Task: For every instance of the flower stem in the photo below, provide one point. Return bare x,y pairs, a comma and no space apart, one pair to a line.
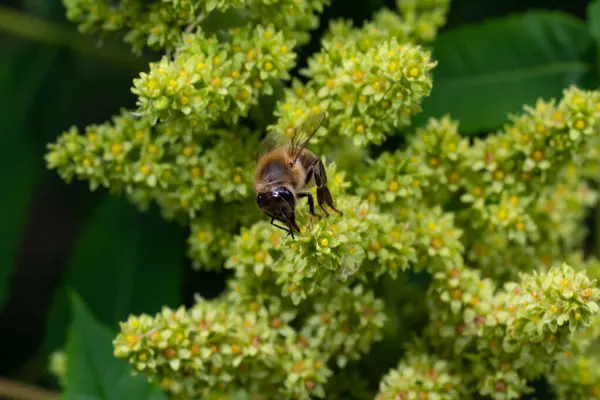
36,29
20,391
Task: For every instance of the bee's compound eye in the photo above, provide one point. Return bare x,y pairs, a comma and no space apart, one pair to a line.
260,200
286,195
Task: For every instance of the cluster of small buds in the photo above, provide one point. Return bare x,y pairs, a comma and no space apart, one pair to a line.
166,163
210,80
215,345
576,370
550,306
153,24
460,304
504,191
420,376
424,17
367,93
345,326
162,24
515,332
207,243
295,18
474,216
576,377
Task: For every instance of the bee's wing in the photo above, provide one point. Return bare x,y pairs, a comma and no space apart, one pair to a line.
269,143
304,132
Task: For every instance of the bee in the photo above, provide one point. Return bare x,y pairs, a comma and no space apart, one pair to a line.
284,175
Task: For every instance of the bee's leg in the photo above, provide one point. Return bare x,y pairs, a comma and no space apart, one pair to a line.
323,194
288,230
292,224
311,203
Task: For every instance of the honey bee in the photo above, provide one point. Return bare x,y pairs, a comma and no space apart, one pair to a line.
284,174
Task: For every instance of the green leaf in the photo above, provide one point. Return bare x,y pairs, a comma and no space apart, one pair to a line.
125,262
92,370
489,70
593,19
21,74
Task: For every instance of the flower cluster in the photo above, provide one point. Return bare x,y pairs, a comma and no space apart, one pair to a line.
210,80
510,335
516,201
485,223
369,85
181,169
217,345
421,377
162,24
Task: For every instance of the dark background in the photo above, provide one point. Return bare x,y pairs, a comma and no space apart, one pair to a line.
46,88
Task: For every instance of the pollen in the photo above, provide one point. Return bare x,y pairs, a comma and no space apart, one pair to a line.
202,236
437,243
393,186
146,169
260,257
170,352
324,242
216,82
499,175
414,72
132,340
453,177
184,100
538,155
357,76
172,83
196,171
268,35
298,366
116,149
188,151
557,116
86,163
580,124
268,66
283,49
237,179
434,162
360,128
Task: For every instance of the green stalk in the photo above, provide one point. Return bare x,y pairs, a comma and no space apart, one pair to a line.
36,29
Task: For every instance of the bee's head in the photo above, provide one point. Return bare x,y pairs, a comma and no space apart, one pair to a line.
277,201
